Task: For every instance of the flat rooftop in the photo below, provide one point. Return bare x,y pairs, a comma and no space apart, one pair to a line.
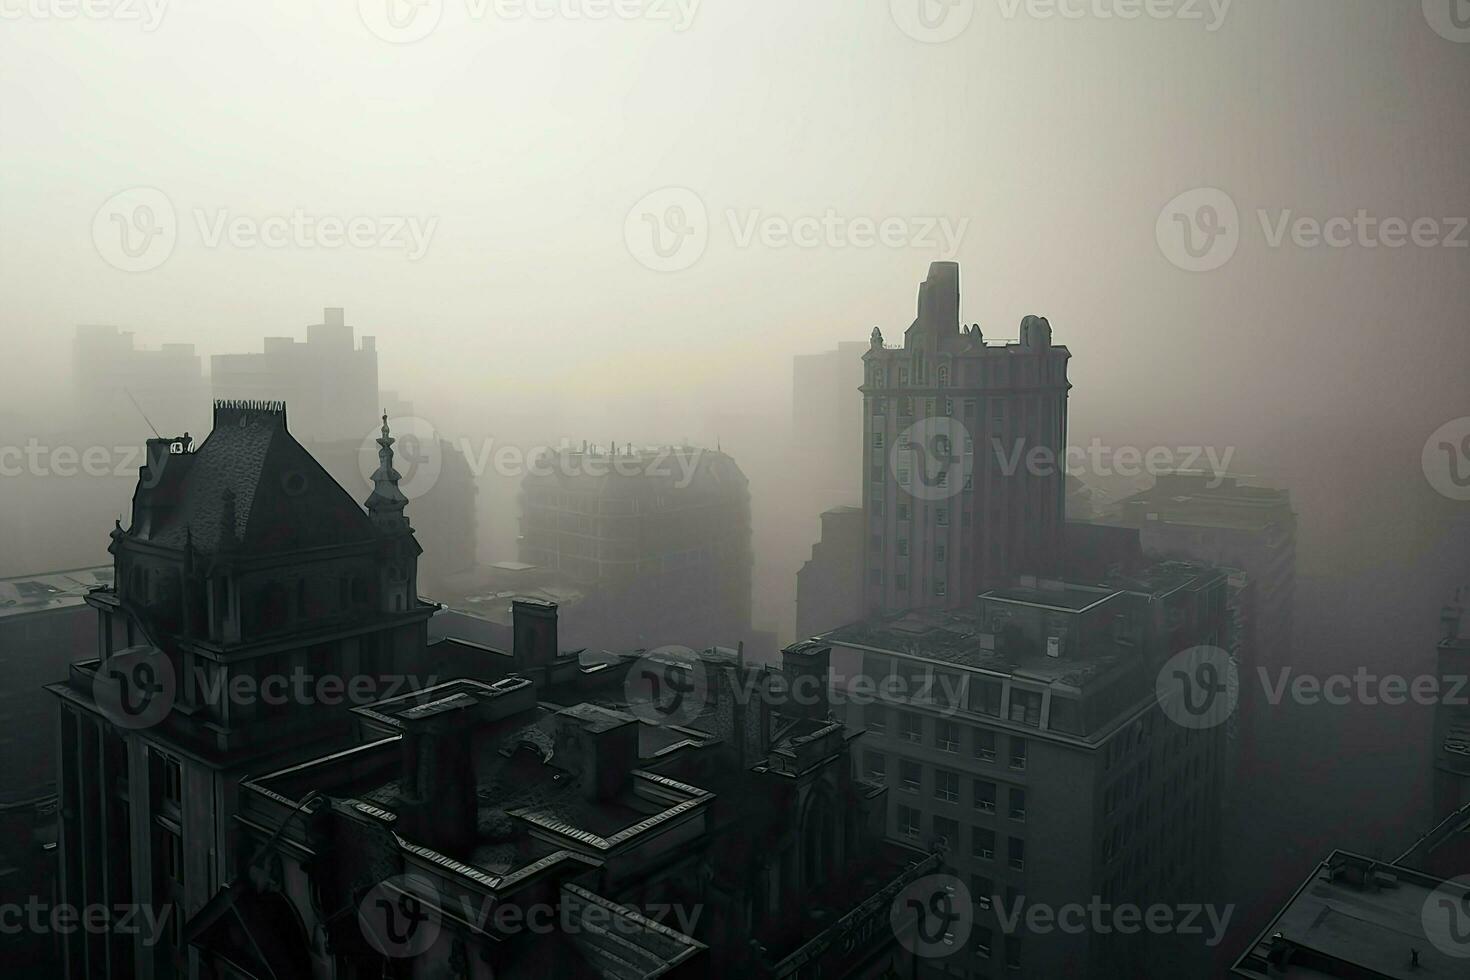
50,590
1354,917
958,637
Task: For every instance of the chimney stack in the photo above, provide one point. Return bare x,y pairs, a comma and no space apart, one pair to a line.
534,645
806,665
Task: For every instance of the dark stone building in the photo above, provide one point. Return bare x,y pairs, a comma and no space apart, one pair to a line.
243,563
458,809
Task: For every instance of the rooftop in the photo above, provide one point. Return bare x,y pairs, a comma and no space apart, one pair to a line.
1354,917
50,590
959,637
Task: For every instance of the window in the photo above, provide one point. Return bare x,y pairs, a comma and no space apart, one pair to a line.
947,786
984,846
943,375
903,375
875,474
941,516
949,406
903,510
941,479
969,406
1017,857
982,940
985,696
1013,953
982,889
875,718
876,503
901,581
969,485
1026,707
905,405
984,745
903,548
908,821
947,829
913,727
946,736
903,476
876,765
1018,753
984,796
939,552
1018,803
940,587
879,405
912,775
877,440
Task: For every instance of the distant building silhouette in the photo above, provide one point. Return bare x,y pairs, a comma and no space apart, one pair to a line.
1220,519
827,421
119,384
330,380
658,539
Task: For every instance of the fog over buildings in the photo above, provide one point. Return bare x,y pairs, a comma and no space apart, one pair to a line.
1072,395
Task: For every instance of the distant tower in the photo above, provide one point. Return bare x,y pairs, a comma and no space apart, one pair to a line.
398,584
963,456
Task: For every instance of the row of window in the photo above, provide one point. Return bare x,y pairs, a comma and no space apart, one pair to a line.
983,795
983,840
946,735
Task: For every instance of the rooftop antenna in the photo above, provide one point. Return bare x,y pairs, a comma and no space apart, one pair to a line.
141,412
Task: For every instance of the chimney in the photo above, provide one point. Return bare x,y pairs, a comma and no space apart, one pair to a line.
534,625
604,745
153,497
441,806
439,775
806,666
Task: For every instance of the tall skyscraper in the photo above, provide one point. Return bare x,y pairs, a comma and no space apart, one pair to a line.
963,456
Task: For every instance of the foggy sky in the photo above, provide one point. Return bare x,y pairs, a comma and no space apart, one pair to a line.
527,141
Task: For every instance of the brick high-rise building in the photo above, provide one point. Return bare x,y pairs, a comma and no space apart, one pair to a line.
963,456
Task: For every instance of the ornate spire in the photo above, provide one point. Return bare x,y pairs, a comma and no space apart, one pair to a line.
386,503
